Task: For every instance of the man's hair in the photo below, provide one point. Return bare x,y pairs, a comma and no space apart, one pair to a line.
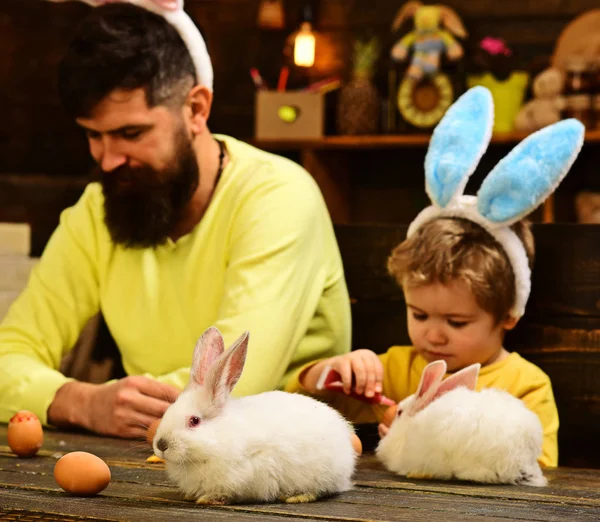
122,46
446,250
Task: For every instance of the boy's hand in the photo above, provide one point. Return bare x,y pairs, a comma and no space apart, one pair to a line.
383,430
362,365
361,368
388,417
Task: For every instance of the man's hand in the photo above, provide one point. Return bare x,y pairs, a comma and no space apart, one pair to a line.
361,371
124,408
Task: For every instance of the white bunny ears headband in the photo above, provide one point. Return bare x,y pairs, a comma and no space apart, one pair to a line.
517,185
172,11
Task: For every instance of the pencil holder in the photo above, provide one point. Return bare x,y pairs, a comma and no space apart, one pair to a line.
291,115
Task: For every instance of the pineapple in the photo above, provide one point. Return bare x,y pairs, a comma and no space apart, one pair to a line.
358,107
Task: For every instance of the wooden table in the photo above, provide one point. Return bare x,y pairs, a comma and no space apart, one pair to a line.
140,491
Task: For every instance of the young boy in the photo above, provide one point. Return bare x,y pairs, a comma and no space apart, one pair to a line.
465,268
459,288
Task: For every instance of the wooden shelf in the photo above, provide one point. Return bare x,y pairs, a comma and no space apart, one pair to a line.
332,170
384,141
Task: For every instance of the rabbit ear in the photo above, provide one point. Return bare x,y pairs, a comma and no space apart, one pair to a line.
430,380
432,376
162,5
457,144
169,5
466,377
93,3
452,21
154,5
522,180
406,11
225,373
208,349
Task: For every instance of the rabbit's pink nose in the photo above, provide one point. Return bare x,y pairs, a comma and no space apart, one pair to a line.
162,445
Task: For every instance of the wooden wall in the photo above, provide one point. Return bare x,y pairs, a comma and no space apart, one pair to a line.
37,138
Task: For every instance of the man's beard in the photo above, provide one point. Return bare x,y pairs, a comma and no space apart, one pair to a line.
142,205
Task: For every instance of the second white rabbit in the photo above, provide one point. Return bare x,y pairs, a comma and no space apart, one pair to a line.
446,430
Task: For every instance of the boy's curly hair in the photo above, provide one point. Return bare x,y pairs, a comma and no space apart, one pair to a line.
455,249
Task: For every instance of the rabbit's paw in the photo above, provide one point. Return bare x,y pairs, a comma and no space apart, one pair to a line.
208,500
297,499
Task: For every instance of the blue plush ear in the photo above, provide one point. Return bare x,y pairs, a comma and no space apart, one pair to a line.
530,172
457,144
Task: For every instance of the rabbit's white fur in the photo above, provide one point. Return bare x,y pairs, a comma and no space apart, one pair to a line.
487,436
266,447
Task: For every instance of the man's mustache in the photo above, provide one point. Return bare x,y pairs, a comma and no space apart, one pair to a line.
132,176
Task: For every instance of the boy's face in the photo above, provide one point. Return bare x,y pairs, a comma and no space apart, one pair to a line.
445,322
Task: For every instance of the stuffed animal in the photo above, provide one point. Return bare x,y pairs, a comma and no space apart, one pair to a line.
428,39
547,104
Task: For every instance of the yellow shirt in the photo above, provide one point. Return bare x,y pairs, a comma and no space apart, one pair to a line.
263,258
403,367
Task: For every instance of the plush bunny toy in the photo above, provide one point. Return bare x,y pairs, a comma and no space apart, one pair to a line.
267,447
173,12
446,430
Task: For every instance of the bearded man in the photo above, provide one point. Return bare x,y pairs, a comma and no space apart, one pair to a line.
185,230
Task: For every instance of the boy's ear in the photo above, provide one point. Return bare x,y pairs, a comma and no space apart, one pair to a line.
198,106
510,322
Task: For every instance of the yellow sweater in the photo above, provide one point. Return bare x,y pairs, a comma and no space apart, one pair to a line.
264,258
403,367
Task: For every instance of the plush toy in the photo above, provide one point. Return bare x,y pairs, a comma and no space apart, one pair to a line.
428,39
173,12
547,104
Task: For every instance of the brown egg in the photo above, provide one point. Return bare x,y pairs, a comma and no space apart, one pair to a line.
389,415
81,473
356,444
25,434
152,431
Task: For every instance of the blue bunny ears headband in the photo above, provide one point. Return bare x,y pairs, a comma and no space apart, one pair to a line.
172,11
517,185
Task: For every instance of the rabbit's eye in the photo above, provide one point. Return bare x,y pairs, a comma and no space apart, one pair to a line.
193,422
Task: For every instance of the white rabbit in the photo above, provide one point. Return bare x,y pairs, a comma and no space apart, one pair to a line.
267,447
447,430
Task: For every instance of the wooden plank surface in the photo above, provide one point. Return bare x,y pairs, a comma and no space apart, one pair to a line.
141,491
